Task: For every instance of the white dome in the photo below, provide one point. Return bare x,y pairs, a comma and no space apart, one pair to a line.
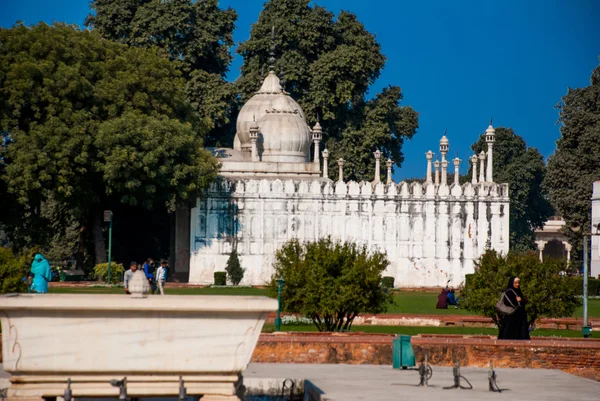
284,115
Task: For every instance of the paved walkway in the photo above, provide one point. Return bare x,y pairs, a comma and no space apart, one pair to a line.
382,383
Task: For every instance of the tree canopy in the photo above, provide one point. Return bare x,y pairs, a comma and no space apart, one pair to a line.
329,64
548,291
575,164
93,123
523,168
330,282
195,35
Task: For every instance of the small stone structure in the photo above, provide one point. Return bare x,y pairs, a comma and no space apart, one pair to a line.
91,339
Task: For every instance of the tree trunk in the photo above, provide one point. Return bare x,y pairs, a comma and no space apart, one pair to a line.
99,245
79,256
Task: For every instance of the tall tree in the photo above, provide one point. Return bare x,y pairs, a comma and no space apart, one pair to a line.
329,64
575,164
93,124
195,35
523,168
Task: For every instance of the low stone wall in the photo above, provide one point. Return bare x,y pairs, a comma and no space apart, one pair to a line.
359,348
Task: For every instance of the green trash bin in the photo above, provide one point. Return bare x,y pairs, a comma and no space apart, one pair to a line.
403,355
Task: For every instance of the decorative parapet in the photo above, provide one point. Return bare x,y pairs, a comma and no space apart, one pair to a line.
353,189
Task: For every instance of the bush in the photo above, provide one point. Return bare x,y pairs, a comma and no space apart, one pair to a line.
13,269
549,292
593,286
220,278
387,282
330,282
233,269
116,272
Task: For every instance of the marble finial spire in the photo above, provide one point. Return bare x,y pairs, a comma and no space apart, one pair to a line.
272,51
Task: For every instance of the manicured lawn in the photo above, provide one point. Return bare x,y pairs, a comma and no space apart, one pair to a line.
412,331
418,302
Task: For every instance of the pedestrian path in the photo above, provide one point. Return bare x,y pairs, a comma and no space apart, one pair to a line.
382,383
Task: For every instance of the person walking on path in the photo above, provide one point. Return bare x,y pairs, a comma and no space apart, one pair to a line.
149,271
128,276
42,274
161,276
514,326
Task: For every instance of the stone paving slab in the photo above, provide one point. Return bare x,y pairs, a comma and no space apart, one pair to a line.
382,383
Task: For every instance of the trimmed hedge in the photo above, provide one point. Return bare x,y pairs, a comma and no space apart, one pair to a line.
220,278
593,286
387,282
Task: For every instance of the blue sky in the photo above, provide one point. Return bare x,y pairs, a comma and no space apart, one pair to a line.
458,62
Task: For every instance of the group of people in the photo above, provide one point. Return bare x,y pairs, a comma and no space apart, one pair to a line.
154,280
447,297
41,274
513,326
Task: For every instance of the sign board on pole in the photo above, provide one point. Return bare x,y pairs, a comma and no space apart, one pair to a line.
107,216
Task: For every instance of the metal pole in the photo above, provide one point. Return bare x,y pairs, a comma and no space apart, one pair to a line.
109,244
585,285
278,320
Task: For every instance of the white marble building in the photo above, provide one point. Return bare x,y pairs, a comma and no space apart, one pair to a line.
270,191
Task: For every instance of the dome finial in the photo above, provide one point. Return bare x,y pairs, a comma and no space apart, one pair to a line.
282,75
272,50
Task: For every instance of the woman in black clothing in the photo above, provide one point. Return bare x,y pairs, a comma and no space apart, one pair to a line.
514,326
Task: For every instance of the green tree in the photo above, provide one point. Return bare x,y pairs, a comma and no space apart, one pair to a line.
13,268
549,292
329,64
93,124
523,168
575,165
330,282
234,270
195,35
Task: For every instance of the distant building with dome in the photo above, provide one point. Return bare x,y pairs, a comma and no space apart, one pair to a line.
270,191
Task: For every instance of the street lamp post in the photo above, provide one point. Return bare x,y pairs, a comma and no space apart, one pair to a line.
280,283
108,218
586,329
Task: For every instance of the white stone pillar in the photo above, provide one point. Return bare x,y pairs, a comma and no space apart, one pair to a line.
490,135
481,167
445,172
317,134
541,245
436,164
254,129
456,162
444,146
377,155
568,249
429,156
325,157
474,169
341,170
388,164
595,259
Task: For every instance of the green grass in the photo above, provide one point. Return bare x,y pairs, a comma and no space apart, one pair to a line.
417,302
412,331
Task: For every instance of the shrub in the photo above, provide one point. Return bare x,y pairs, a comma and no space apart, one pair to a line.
220,278
330,282
13,269
549,292
593,286
387,282
234,269
116,272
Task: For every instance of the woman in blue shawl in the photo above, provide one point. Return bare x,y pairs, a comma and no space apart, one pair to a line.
40,269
